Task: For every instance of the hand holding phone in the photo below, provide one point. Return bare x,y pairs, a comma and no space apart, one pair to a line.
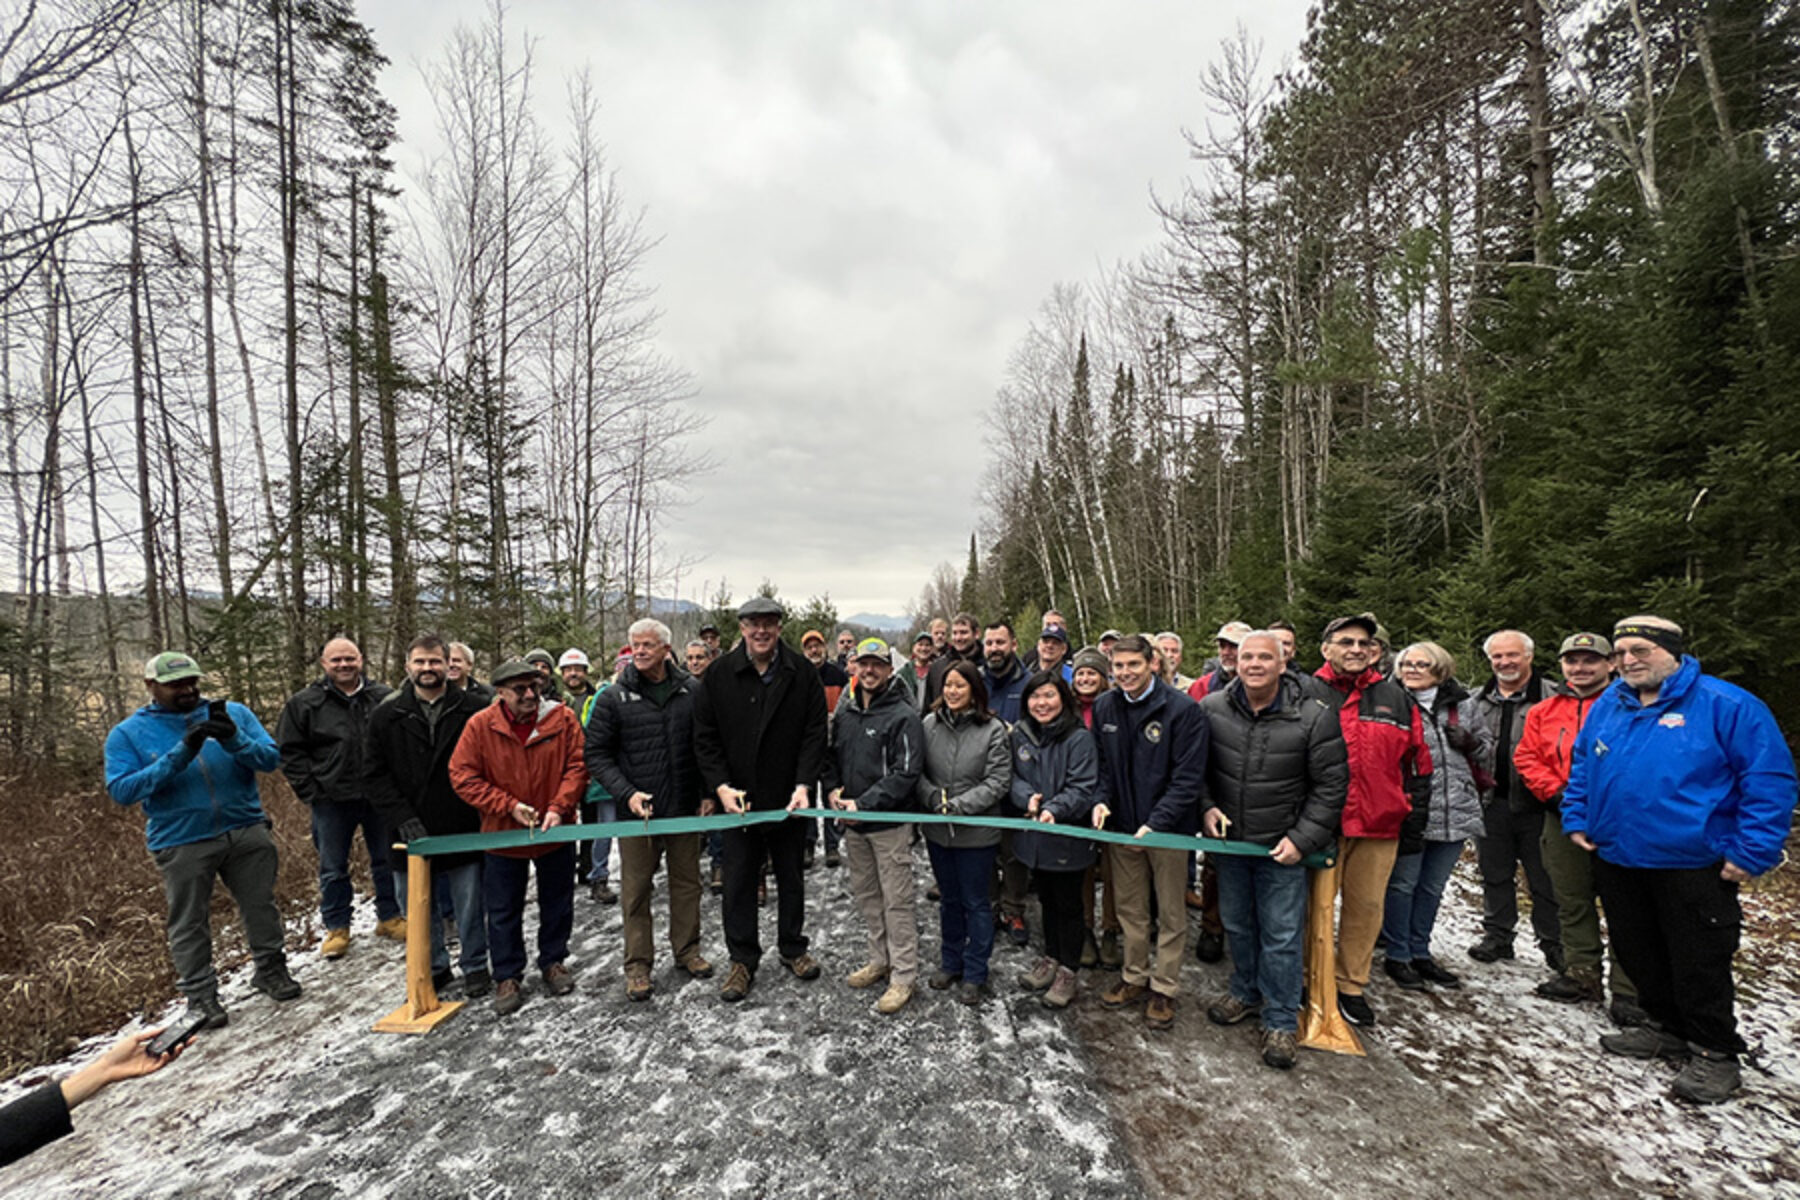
175,1034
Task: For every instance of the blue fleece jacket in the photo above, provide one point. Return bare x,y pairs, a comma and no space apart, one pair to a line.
1701,775
187,797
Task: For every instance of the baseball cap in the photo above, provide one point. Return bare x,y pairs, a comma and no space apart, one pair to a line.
572,658
1113,634
1056,632
873,648
812,635
1585,643
171,665
1366,621
1233,632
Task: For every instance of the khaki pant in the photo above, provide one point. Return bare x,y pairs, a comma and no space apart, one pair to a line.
881,881
638,857
1572,875
1363,868
1135,875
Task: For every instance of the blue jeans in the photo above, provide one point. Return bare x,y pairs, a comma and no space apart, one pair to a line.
333,827
503,884
463,885
594,855
966,917
1263,906
1414,891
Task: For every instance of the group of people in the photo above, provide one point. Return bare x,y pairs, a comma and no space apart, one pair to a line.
1637,785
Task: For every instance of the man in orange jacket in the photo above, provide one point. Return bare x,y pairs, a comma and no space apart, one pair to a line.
1542,758
520,763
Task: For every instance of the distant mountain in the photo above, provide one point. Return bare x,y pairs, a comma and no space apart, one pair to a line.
879,621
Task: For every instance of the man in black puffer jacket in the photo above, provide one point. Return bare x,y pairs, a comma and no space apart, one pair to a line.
406,775
640,746
1277,777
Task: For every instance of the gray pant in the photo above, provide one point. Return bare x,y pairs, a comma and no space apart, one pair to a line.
1511,841
881,880
245,860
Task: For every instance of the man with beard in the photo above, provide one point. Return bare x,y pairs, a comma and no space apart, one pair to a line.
193,767
759,737
834,679
1512,820
964,644
1005,677
322,733
407,776
519,763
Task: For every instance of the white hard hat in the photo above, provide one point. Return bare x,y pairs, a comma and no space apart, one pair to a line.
572,658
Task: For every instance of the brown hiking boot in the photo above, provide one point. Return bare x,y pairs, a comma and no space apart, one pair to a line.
637,981
558,980
336,944
737,983
1160,1012
894,999
393,929
804,966
508,998
1121,994
696,966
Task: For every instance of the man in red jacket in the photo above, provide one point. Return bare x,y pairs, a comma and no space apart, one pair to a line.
1542,758
1389,786
520,764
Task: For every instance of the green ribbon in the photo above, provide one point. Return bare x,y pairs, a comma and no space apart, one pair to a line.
463,843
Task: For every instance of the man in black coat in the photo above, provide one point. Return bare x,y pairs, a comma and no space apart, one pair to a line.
1276,776
759,737
321,735
406,774
640,747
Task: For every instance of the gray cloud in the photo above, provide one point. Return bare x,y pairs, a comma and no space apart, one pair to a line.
861,206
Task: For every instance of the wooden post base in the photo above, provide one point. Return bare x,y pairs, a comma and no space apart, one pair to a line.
423,1011
1322,1027
405,1020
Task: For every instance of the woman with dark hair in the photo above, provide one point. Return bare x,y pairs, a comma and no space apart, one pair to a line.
1056,776
1091,677
966,773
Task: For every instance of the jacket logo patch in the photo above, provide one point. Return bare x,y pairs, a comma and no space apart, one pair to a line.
1600,747
1382,710
1108,727
1671,720
1024,754
1153,732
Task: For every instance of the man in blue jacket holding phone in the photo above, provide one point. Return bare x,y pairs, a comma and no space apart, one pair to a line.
1682,788
193,765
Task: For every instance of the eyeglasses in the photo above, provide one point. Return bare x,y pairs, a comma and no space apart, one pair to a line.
1414,665
521,690
1636,651
1353,643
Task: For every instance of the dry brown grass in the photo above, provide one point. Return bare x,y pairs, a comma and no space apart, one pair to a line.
82,940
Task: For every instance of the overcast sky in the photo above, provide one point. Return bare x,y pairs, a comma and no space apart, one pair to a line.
861,207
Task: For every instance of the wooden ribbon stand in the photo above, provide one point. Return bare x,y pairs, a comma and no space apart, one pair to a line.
1322,1026
423,1011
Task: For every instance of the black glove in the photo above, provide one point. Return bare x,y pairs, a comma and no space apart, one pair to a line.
195,737
1461,739
218,724
412,829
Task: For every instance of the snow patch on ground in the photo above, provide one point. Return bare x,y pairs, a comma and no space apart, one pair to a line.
803,1090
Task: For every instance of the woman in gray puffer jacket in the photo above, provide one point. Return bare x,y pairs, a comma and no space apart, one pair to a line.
1429,850
968,765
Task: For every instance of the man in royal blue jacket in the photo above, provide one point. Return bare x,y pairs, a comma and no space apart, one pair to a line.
1153,743
1682,788
193,767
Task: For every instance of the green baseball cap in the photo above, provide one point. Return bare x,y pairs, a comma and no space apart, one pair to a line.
171,665
872,648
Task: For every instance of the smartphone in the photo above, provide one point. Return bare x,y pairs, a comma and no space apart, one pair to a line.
175,1034
216,710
